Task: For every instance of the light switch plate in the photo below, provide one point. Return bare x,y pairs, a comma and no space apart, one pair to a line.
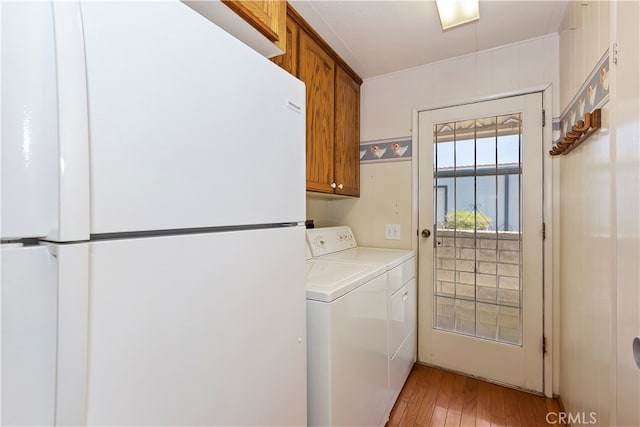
392,231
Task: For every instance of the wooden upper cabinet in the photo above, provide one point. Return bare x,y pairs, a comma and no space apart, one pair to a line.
333,109
317,69
269,17
347,134
289,60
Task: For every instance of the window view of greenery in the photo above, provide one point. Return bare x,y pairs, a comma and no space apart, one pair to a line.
477,169
467,220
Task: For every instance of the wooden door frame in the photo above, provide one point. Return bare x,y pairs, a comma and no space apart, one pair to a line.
550,197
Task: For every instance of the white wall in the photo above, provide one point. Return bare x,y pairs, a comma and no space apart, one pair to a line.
318,209
387,100
599,208
586,237
627,175
586,230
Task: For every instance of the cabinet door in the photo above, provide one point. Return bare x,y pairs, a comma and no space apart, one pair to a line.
289,59
347,134
317,70
266,16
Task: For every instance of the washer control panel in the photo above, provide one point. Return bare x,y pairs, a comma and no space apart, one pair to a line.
327,240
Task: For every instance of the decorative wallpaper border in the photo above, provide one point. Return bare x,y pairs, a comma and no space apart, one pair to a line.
555,129
386,150
593,94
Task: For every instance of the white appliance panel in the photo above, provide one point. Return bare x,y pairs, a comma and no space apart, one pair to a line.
400,366
72,340
348,358
327,280
73,127
402,315
327,240
189,127
29,121
29,324
401,274
44,333
339,244
175,319
390,257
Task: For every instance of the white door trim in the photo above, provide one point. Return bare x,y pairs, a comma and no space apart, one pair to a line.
551,193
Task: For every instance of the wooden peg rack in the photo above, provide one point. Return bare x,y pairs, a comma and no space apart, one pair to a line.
578,133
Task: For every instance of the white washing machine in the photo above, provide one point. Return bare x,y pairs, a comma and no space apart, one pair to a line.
347,380
401,295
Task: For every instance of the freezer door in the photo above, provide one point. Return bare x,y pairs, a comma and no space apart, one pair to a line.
29,121
201,329
189,127
45,144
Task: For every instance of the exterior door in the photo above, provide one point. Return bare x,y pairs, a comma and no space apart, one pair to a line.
480,254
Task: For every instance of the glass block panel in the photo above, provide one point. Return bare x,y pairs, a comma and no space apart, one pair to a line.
445,310
486,320
465,315
509,325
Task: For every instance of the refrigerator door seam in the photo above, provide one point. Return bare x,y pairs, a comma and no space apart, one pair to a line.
183,231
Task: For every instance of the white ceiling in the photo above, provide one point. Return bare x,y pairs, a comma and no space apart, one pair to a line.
380,37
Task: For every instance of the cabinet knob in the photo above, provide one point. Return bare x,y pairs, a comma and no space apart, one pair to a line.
340,186
333,185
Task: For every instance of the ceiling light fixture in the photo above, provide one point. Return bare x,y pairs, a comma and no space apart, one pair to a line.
457,12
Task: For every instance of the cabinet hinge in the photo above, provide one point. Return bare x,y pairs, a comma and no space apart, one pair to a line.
614,56
544,118
544,231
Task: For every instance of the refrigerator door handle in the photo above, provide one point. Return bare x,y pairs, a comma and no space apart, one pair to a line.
73,133
73,333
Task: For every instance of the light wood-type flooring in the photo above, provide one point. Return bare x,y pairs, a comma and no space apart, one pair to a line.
433,397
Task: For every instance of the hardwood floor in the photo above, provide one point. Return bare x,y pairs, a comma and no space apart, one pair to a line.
433,397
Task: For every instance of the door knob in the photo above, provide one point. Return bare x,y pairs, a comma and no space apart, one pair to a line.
426,233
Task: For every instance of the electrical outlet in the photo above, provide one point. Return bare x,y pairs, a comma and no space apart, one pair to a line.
392,231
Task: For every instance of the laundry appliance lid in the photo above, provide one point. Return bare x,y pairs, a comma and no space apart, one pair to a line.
362,254
328,280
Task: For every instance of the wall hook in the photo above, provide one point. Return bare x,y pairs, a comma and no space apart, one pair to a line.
579,132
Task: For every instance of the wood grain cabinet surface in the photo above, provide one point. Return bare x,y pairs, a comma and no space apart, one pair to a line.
333,109
289,60
269,17
347,134
317,70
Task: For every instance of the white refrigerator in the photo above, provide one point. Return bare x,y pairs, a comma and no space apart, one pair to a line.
153,196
